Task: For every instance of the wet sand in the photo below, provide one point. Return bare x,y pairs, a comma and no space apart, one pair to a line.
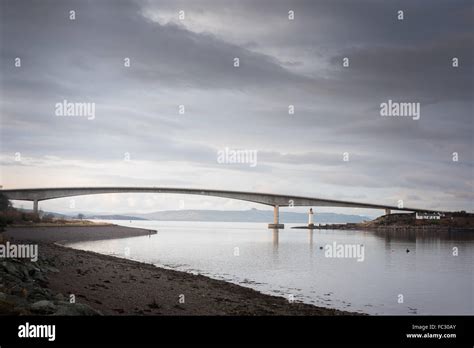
117,286
71,234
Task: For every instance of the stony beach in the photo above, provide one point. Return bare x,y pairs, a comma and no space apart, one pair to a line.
106,285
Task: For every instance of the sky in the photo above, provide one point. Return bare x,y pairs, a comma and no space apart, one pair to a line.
168,99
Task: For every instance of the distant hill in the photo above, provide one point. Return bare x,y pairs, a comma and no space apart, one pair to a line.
113,217
252,215
104,216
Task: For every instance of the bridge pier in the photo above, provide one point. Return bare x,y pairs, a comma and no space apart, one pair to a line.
388,211
35,206
276,219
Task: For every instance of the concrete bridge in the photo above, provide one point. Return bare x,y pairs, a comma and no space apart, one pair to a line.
41,194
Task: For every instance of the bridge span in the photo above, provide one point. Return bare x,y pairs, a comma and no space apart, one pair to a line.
276,200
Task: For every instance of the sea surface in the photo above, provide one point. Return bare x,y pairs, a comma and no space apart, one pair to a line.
376,273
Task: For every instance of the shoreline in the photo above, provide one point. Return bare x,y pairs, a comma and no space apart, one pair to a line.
457,222
74,233
116,286
401,228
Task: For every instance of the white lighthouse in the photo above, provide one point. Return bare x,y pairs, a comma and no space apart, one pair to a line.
310,218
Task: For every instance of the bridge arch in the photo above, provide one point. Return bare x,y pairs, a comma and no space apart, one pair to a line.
275,200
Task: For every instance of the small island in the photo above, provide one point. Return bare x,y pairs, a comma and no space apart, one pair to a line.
439,222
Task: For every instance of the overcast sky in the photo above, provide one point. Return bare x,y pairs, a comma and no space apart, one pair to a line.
283,62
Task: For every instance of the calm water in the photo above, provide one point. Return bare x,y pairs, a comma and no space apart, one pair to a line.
290,262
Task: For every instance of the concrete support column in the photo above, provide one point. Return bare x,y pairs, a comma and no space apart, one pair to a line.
276,219
35,206
388,211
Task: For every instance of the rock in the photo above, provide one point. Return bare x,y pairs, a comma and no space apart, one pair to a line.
33,272
12,269
23,291
32,267
38,276
38,294
59,297
44,307
24,271
51,269
76,309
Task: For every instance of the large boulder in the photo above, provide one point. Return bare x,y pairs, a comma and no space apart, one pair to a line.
43,307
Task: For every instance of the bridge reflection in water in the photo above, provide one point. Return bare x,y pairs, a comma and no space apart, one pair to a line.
276,237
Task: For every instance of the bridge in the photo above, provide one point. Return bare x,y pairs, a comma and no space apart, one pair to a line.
41,194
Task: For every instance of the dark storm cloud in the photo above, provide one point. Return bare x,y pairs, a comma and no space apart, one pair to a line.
84,60
104,33
423,72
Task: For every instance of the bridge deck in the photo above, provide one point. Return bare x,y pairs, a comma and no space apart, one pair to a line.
41,194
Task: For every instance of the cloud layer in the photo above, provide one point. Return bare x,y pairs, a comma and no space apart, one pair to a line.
335,145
